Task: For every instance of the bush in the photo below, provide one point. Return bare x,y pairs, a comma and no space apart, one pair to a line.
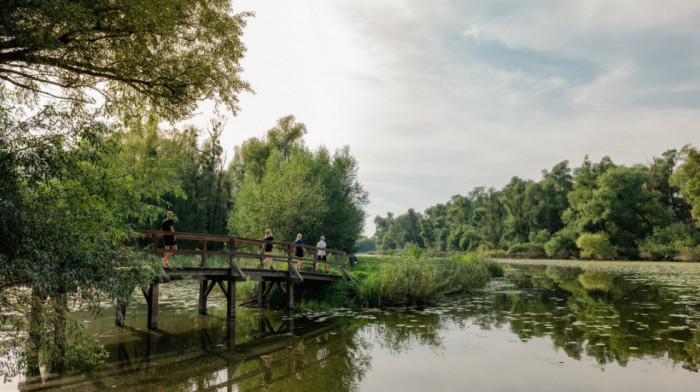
689,254
411,249
561,245
526,250
595,245
668,242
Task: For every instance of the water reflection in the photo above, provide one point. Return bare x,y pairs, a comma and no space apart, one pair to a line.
597,315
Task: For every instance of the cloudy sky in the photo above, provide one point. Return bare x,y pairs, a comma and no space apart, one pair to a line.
435,98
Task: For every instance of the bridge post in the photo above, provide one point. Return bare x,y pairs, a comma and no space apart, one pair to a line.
290,295
231,299
153,306
261,290
203,285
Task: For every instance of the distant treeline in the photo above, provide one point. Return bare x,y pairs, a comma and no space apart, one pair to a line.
597,210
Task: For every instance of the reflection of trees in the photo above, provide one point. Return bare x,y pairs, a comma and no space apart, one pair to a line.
221,355
604,316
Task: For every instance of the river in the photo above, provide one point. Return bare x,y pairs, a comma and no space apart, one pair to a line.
544,326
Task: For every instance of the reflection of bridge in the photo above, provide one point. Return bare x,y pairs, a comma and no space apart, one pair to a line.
215,361
286,276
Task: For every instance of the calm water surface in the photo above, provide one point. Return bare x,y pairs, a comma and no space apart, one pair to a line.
545,326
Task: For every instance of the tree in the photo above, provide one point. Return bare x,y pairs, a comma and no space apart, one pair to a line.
72,189
66,209
287,135
284,201
687,179
318,192
162,54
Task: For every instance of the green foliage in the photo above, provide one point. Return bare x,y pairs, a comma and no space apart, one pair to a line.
200,173
162,54
687,179
283,201
595,245
413,282
668,242
495,268
297,191
528,250
412,250
562,244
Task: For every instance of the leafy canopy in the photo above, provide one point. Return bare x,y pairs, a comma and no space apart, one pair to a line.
162,54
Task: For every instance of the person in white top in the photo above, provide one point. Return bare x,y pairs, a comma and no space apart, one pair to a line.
321,256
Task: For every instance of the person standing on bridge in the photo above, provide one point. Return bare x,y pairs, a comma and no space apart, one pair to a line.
321,256
169,240
299,251
267,248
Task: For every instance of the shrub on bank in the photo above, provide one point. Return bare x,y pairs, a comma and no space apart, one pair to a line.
527,250
667,243
595,245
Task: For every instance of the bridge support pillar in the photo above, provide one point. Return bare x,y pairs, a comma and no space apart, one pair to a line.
231,299
152,299
261,293
203,285
290,295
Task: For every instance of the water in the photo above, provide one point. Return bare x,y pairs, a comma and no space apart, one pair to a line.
545,326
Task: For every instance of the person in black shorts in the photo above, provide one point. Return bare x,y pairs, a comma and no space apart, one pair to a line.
169,240
299,251
267,249
321,256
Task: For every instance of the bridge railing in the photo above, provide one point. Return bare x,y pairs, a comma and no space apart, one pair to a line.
246,248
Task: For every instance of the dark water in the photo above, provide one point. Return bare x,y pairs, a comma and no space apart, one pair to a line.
553,326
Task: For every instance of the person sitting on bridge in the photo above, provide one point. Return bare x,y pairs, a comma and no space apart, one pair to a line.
321,256
267,248
299,251
169,240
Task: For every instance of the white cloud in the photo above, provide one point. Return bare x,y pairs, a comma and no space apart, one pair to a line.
435,98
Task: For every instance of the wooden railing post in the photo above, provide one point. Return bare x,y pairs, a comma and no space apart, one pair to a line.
289,257
204,253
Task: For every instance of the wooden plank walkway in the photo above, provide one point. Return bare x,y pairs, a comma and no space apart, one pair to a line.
236,249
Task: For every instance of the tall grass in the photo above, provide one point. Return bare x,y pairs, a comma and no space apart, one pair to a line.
420,281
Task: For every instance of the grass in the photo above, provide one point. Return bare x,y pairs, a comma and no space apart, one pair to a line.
405,281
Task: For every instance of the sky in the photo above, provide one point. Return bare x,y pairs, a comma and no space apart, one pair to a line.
435,98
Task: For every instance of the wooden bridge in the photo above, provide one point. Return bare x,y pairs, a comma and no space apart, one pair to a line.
235,252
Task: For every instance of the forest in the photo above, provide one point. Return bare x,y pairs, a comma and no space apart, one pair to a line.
596,210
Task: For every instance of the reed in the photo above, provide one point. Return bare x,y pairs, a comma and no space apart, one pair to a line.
401,281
